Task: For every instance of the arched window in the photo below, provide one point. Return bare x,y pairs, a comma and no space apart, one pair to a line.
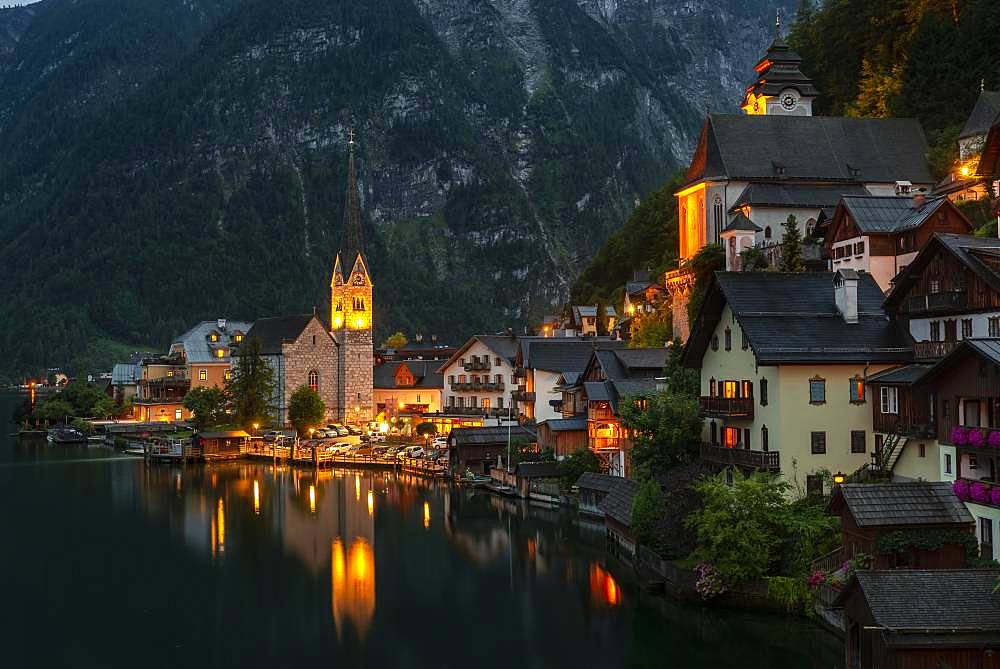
717,216
763,438
729,338
314,380
767,232
810,227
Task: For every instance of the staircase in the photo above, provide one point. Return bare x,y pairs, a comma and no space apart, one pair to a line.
892,449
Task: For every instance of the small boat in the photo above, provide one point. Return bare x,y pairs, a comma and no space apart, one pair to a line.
135,448
66,435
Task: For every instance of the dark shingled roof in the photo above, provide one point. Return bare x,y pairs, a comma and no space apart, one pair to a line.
967,249
984,114
986,348
903,375
617,505
741,222
469,436
271,332
563,355
796,195
595,481
565,424
819,148
538,470
425,372
637,360
891,504
882,215
942,600
793,317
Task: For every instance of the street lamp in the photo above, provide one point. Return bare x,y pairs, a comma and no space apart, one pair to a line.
839,478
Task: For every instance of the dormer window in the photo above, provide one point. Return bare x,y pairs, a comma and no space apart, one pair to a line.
853,171
213,336
220,353
238,337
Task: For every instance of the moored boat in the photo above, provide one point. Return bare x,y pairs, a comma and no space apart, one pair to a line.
66,435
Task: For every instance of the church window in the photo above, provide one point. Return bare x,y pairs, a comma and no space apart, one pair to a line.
717,215
314,340
729,338
314,380
340,306
767,232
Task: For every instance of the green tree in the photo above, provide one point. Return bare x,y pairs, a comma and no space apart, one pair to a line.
665,428
791,247
753,260
104,408
251,387
426,429
83,397
208,405
709,259
397,340
54,409
739,528
575,464
654,329
647,511
305,409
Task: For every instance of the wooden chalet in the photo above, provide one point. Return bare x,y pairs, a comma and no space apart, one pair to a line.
222,445
476,449
564,436
870,512
922,619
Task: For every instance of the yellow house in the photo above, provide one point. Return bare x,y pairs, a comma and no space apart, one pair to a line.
783,360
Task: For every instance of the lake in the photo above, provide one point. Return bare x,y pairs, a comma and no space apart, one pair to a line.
108,562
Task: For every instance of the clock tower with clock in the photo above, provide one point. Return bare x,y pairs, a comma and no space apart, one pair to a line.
351,310
780,88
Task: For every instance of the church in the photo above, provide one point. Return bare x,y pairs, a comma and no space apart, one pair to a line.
334,356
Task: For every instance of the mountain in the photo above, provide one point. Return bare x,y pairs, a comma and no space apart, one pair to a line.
165,161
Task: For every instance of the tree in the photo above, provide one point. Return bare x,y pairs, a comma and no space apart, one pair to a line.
251,387
753,260
709,259
426,429
739,528
654,329
646,512
398,340
105,408
83,397
54,409
208,405
791,247
665,428
305,409
575,464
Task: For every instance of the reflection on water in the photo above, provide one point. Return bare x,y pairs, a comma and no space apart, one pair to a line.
604,590
353,585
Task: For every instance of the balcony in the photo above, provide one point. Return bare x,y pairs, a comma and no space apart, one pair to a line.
460,385
768,461
487,386
726,407
477,366
520,395
944,301
604,443
984,492
933,350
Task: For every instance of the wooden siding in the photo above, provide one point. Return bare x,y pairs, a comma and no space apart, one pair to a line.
947,276
972,378
865,540
914,415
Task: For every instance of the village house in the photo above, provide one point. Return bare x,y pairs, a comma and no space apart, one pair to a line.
882,235
163,383
964,182
477,449
479,379
408,389
778,160
899,619
585,320
783,360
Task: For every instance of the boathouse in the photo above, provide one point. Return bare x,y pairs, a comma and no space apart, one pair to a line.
222,445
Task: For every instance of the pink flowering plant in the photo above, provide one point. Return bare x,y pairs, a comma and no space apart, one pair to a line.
710,583
959,435
994,439
961,489
975,438
995,495
980,493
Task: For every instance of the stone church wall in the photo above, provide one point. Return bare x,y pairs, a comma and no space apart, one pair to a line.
315,350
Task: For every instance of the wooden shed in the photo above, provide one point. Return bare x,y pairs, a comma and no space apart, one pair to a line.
870,512
922,619
222,445
564,436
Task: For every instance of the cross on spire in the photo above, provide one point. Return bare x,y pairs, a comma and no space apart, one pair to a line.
350,139
353,243
777,23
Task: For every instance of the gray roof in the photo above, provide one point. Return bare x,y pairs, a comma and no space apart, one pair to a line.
988,348
565,424
884,215
595,481
892,504
943,600
973,252
425,372
476,436
124,373
612,391
741,222
902,375
984,114
503,345
793,317
796,195
197,347
537,470
633,287
816,148
617,505
272,332
559,354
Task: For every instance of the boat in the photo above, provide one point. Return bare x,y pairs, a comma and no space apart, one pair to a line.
135,448
66,435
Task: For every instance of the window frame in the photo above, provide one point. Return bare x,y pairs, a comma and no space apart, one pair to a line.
859,437
889,400
817,382
817,442
312,380
856,393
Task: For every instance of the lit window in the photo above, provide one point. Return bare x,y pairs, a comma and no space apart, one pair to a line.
857,390
731,437
486,402
203,375
229,375
747,389
238,338
314,380
730,389
220,353
889,400
170,373
817,391
214,336
177,414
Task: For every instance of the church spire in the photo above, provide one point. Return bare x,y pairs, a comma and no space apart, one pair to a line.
354,241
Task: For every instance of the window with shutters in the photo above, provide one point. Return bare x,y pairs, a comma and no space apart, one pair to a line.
818,443
817,390
966,328
994,326
763,392
857,392
858,444
748,389
935,331
889,400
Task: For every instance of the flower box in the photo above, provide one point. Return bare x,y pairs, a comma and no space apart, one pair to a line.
961,488
975,438
959,436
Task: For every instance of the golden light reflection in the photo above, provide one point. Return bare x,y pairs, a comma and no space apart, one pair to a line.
371,502
604,590
312,498
427,515
357,488
177,482
256,498
220,526
352,581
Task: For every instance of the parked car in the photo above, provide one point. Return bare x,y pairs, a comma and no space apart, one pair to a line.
376,437
322,434
411,452
272,436
339,429
440,442
354,431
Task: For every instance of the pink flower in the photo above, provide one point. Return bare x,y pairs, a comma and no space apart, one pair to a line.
994,439
995,496
980,493
961,488
959,435
976,438
817,579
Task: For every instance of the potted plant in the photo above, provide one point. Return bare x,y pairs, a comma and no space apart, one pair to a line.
980,493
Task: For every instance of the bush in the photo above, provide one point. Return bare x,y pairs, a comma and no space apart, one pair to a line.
646,512
572,466
426,429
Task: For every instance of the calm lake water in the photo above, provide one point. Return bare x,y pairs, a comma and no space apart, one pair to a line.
110,563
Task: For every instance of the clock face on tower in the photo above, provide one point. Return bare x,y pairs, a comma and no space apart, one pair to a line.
789,100
358,279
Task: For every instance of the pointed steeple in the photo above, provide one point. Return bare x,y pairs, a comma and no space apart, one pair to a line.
780,86
354,242
338,273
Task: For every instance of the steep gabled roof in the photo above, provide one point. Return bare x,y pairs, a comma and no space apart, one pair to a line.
595,481
949,601
272,332
984,114
617,505
741,222
894,504
565,424
887,215
793,318
198,348
796,195
811,148
558,354
967,249
503,346
987,349
425,373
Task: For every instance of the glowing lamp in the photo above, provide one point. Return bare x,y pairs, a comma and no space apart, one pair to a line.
964,170
359,322
338,321
839,478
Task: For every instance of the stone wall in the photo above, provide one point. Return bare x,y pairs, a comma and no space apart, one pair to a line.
316,350
357,362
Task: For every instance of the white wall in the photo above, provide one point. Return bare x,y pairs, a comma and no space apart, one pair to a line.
456,369
920,328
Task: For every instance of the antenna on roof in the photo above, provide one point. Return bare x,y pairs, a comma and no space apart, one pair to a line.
777,23
982,84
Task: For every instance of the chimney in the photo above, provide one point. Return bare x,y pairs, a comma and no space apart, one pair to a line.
221,323
434,338
845,293
418,337
918,199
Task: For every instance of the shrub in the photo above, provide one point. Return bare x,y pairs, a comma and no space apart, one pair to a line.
646,511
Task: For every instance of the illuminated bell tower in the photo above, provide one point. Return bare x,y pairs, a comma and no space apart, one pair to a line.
351,310
781,89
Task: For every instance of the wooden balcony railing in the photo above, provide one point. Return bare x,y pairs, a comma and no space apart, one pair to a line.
933,350
601,443
523,396
726,407
741,457
477,365
944,301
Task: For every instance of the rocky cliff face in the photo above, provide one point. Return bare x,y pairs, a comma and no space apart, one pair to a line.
178,159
